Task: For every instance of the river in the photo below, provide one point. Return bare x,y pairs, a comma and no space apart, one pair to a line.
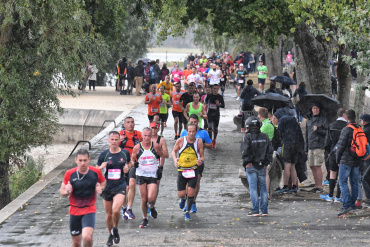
167,57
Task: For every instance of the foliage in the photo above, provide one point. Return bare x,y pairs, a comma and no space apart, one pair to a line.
23,177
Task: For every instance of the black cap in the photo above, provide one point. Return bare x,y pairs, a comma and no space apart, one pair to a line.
366,118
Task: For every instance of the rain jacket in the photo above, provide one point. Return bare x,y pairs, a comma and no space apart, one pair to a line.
366,130
316,139
333,133
343,155
248,93
256,148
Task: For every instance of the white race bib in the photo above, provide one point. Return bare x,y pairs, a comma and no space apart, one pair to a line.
154,109
162,105
212,106
222,79
188,173
177,102
241,81
114,174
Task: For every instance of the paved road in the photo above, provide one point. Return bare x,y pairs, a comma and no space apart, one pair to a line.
222,208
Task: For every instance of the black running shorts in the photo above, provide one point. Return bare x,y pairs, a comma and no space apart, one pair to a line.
191,182
145,180
163,117
290,153
180,115
108,195
77,223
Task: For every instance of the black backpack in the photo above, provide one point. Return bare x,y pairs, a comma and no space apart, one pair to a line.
276,140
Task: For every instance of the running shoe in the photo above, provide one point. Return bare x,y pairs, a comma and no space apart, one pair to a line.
187,216
110,240
317,190
129,214
237,98
326,182
214,143
182,203
194,208
358,204
336,199
293,190
148,210
153,213
176,137
115,235
165,124
145,223
186,206
283,191
123,211
326,198
253,214
344,211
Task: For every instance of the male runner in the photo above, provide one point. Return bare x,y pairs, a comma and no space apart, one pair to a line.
187,98
241,74
168,86
214,75
81,184
163,108
188,71
146,156
214,101
153,100
113,162
207,142
191,155
177,114
194,77
129,137
196,108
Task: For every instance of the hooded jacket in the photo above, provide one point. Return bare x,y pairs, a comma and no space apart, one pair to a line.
343,154
316,139
248,93
256,148
333,133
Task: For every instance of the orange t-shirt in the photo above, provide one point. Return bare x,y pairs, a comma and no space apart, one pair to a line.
153,106
131,139
176,100
187,73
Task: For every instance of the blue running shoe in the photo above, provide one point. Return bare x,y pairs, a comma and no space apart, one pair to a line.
148,210
326,198
186,206
293,190
129,214
187,216
123,211
194,208
283,190
326,182
339,200
182,203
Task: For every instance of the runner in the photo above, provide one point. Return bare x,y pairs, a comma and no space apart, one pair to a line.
194,77
81,185
224,75
129,138
186,98
188,71
196,108
113,163
177,75
241,74
262,75
146,155
214,101
214,75
177,114
168,86
191,156
153,100
163,110
207,143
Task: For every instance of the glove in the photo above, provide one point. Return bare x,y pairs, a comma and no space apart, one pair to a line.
159,172
136,164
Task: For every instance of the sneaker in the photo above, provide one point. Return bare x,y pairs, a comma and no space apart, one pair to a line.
214,143
182,203
187,216
326,198
265,214
344,212
123,214
145,223
293,190
115,235
358,204
237,98
253,214
110,240
176,137
148,210
317,190
326,182
336,199
283,191
129,214
194,208
164,124
186,206
153,213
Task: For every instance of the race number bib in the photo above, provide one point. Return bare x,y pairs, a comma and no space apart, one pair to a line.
212,106
261,72
162,105
241,81
114,174
222,79
177,102
154,109
188,173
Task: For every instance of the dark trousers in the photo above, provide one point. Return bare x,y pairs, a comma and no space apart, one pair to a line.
92,83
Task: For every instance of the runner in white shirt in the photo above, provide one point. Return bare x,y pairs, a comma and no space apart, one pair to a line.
194,77
214,75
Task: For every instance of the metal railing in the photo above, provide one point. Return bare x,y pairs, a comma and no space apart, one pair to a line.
107,121
78,143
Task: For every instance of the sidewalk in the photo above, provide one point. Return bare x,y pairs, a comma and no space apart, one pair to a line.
222,207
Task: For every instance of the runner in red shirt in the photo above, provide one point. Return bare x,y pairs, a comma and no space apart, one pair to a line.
177,114
153,99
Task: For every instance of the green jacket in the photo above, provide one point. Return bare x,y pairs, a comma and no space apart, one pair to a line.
267,128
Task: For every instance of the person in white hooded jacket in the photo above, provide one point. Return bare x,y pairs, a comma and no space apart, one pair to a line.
92,71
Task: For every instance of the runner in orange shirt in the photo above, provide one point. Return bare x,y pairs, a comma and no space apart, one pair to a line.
153,99
177,114
188,71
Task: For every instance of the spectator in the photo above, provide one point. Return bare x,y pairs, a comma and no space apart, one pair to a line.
298,95
130,78
248,93
92,71
139,76
164,72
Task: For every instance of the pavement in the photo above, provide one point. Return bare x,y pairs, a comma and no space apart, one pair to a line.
223,205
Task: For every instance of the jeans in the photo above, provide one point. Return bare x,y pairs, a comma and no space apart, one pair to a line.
258,177
351,172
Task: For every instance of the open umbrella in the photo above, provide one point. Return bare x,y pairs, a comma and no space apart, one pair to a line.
272,101
283,79
329,106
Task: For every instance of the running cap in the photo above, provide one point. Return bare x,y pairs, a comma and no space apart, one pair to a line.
153,125
366,118
241,64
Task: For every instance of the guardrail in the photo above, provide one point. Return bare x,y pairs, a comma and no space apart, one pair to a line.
78,143
105,121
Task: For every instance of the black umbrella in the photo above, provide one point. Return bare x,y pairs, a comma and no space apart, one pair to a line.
272,101
329,106
283,79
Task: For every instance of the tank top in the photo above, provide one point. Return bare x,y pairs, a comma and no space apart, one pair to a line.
214,77
188,155
196,112
148,162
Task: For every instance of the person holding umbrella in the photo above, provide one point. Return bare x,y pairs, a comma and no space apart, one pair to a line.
316,130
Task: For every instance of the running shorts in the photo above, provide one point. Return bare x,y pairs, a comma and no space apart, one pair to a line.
180,115
261,81
213,122
163,117
290,153
191,182
78,222
145,180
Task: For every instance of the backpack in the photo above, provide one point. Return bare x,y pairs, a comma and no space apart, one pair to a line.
152,73
276,140
359,142
135,139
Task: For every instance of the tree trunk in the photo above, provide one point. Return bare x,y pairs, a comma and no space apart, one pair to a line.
316,53
360,97
344,77
4,185
300,67
274,60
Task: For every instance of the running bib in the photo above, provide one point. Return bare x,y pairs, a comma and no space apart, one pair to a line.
261,72
114,174
212,106
155,109
147,161
162,105
241,81
222,79
177,102
188,173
